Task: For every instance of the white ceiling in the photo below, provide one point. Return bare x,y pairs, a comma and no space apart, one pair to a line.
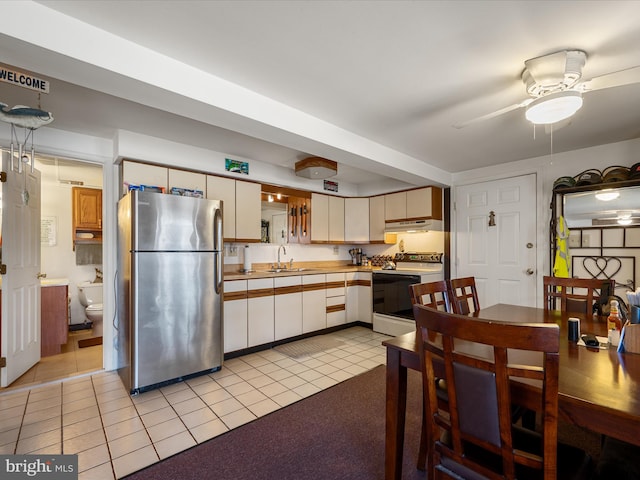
374,85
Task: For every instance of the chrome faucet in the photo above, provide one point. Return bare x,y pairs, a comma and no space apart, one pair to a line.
284,251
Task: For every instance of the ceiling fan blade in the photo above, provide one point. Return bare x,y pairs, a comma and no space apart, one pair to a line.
614,79
491,115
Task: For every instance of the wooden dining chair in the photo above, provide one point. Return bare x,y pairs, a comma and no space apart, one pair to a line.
476,438
575,294
431,294
464,295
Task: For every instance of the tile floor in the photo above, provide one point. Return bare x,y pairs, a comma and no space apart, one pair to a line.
115,434
72,361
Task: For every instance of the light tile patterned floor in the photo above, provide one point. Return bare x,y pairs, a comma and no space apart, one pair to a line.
115,434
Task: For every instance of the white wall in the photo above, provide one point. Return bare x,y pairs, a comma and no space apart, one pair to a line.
59,260
547,169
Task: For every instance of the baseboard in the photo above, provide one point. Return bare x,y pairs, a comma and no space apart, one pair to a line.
74,327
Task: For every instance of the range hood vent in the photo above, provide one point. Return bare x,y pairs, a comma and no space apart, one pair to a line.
413,226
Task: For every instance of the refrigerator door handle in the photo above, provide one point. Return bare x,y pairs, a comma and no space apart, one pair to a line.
218,239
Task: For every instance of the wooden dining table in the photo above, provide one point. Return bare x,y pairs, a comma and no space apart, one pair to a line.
599,388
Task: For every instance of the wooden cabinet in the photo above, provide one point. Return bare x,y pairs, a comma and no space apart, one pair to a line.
287,306
221,188
320,218
395,206
356,220
86,206
54,319
260,314
336,219
314,316
235,315
299,220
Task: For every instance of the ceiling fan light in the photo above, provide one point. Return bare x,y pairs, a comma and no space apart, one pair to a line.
554,107
316,168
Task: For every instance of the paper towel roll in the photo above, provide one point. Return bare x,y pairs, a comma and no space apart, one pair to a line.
247,259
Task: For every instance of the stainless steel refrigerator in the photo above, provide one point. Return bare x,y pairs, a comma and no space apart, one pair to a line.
169,293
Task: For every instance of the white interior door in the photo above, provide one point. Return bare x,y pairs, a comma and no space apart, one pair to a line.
20,285
496,239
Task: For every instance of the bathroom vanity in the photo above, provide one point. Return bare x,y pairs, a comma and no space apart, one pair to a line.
54,302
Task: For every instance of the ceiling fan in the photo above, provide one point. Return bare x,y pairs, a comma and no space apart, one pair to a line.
554,87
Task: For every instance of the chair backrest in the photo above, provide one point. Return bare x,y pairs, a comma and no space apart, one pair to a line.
431,294
478,372
464,293
574,294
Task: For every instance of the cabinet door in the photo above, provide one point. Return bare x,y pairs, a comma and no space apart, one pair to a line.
87,208
424,203
336,219
288,307
221,188
235,315
248,211
314,316
189,180
376,219
320,218
134,173
395,206
356,220
336,314
260,315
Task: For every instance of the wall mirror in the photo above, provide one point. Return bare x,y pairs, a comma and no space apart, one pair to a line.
606,207
274,219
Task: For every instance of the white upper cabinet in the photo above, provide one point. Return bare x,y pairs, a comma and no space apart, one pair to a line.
336,219
134,173
376,219
395,206
221,188
248,211
413,204
424,202
356,220
319,218
188,180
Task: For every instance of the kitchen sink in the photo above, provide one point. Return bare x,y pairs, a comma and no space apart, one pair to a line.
285,270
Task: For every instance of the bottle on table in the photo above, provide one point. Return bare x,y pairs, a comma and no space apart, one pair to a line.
614,325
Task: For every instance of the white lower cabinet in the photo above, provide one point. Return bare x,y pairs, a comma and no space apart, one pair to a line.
235,315
335,301
314,315
358,297
287,306
260,314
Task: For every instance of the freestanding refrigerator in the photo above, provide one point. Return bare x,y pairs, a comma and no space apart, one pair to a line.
169,294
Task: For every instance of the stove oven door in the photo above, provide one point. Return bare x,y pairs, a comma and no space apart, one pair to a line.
391,294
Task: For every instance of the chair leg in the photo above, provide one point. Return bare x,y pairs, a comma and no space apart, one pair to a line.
422,452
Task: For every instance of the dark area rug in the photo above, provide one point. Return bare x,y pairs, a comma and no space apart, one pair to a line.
335,434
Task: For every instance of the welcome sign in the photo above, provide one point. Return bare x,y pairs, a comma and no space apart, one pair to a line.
24,80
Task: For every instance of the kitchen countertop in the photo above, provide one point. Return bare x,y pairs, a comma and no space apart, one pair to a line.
48,282
235,275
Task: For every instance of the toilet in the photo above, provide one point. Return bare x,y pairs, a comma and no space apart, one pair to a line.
90,297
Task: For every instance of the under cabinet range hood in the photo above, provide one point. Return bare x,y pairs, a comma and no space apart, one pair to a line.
413,226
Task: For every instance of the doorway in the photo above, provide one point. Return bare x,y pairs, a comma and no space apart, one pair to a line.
496,231
67,261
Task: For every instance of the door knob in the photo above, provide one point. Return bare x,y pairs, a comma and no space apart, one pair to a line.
529,271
